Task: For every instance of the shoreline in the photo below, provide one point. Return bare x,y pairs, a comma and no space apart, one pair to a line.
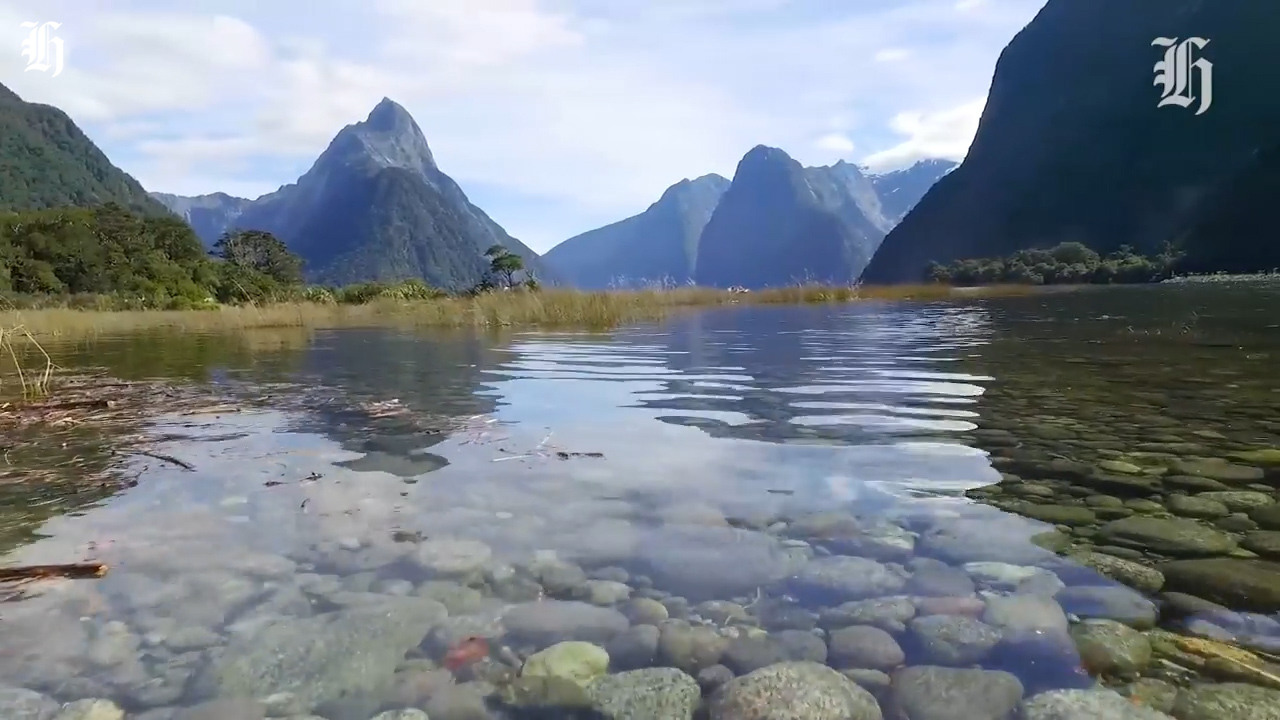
546,308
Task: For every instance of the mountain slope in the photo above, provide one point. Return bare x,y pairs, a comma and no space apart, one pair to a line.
46,161
900,190
659,244
1072,145
780,223
209,215
374,206
1233,230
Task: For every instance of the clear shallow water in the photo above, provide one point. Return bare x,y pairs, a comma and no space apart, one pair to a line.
760,469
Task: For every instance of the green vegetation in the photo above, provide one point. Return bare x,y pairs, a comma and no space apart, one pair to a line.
1069,263
48,162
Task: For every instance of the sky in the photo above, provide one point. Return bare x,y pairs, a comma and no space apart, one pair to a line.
555,116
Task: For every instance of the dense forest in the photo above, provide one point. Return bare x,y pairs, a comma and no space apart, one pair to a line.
1069,263
108,257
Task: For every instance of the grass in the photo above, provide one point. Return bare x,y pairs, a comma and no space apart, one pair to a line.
548,308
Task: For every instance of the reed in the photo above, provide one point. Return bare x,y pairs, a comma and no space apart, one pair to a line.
547,308
17,344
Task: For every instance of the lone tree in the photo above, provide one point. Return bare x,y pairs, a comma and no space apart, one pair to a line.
504,264
260,250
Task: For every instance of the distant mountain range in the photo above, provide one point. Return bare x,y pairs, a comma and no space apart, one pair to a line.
775,223
1073,147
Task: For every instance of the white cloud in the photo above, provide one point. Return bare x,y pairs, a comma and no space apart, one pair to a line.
588,107
835,142
891,54
943,134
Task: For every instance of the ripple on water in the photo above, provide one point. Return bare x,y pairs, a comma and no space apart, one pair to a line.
778,522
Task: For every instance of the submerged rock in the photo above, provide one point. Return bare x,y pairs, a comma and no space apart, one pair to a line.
794,691
657,693
837,578
1091,704
1238,584
321,658
1110,648
24,704
547,622
953,639
577,661
927,692
1168,536
1227,701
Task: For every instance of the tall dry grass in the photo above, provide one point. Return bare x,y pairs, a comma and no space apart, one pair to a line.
548,308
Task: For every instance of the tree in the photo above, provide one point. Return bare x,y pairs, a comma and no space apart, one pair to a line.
260,250
504,263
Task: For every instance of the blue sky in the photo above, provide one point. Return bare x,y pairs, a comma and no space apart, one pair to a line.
555,116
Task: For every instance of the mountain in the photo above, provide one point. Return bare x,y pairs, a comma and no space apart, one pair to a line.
1072,146
373,206
1233,230
209,215
900,190
781,223
658,245
46,161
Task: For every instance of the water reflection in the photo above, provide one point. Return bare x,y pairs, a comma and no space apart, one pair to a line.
729,492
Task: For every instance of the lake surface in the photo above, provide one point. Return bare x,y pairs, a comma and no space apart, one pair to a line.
958,507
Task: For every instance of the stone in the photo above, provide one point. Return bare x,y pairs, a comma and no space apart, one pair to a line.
750,653
1263,542
1112,602
1022,618
996,537
863,646
834,579
1119,466
889,613
938,579
577,661
709,563
1196,507
1110,648
1239,500
1238,584
645,611
925,692
1217,469
24,704
1057,514
547,622
1086,704
1168,536
91,709
689,647
323,657
448,557
1227,701
402,714
713,678
1267,516
794,691
952,639
1135,575
1151,692
226,709
634,648
659,693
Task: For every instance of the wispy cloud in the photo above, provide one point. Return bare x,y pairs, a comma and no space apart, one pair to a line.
554,115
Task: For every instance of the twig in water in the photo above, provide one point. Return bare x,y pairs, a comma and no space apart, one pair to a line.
166,458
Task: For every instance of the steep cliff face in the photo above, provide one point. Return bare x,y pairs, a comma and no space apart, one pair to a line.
1234,229
1072,145
780,223
658,245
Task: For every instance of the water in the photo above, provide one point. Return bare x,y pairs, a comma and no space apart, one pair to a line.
849,485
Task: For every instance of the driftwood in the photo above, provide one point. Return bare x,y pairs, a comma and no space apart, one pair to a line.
166,458
74,571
